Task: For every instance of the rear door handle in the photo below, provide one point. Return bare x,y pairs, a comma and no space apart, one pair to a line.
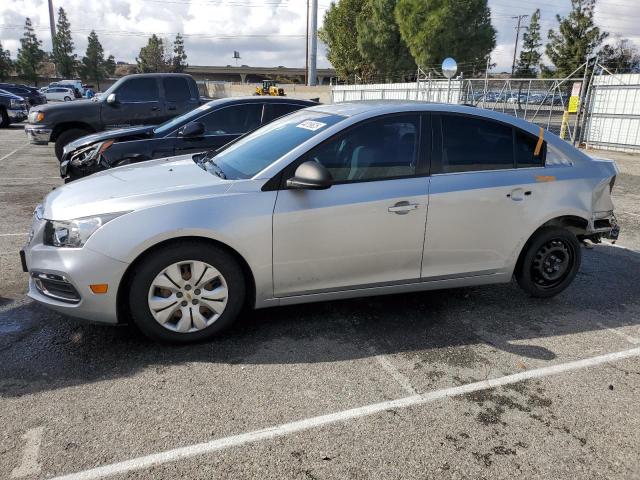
153,109
402,208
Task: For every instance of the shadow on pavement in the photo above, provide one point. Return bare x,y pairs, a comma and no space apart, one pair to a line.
40,350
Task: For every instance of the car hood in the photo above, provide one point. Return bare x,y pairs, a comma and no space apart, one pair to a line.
133,187
109,134
76,105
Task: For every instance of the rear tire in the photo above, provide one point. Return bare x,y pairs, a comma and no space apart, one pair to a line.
549,262
171,308
4,118
66,137
67,99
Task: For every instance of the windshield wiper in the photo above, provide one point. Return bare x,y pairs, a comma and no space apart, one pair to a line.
214,168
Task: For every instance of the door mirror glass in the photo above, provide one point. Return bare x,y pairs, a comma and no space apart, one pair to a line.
193,129
310,175
112,99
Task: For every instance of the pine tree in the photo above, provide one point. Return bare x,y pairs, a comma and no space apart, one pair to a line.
530,55
437,29
152,57
30,54
63,55
179,59
110,65
380,43
92,67
5,63
576,39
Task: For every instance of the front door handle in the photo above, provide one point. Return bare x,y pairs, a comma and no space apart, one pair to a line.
153,109
402,208
171,108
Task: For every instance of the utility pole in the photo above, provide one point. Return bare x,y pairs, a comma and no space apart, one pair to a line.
52,25
312,42
515,48
306,52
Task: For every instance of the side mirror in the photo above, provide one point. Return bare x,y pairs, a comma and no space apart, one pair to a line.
112,99
310,175
193,129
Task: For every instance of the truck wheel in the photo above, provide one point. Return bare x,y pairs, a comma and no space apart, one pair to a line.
549,262
4,118
186,292
66,137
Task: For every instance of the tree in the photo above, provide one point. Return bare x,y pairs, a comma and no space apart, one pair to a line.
179,59
530,55
93,65
339,34
152,57
5,63
63,55
437,29
30,54
576,39
621,57
380,43
110,65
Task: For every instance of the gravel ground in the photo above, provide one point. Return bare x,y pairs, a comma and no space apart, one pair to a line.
74,396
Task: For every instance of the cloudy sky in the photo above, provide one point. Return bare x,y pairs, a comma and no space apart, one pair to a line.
266,32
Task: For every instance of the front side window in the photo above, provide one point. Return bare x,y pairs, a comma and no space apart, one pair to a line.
233,120
472,144
379,149
139,90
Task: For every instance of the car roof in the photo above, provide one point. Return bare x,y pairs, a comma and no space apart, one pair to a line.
262,99
370,108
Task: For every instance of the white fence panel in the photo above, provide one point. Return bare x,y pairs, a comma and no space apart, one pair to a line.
433,91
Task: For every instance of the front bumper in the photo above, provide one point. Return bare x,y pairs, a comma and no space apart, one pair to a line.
38,135
17,115
59,278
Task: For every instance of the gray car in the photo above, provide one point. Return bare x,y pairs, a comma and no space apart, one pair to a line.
330,202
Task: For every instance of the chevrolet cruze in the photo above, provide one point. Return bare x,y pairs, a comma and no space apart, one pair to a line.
329,202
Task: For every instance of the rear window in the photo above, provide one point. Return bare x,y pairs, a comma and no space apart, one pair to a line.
526,153
176,89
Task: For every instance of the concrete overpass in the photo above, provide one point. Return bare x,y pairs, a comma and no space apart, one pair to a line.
246,74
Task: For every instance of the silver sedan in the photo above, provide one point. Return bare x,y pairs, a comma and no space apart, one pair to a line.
330,202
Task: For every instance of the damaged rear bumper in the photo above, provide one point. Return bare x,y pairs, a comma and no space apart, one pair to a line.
603,225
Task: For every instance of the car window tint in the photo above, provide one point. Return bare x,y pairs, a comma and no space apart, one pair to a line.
176,89
383,148
526,151
138,90
233,120
470,144
278,110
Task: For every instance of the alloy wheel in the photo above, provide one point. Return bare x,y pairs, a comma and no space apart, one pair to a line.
188,296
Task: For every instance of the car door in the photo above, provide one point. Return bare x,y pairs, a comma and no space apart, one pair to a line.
137,103
221,126
178,98
368,227
481,205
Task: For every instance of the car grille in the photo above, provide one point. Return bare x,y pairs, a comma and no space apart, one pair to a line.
56,287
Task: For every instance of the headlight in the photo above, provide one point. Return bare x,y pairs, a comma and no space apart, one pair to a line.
35,117
74,233
90,154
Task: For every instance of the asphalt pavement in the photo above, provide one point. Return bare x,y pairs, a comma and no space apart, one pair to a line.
469,383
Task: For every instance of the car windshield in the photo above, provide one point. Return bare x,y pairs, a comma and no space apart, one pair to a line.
259,149
171,125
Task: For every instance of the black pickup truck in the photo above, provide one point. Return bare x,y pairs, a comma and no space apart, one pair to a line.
146,99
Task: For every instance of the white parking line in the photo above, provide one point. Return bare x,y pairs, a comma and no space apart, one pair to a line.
628,338
14,234
629,213
29,465
269,433
11,153
402,380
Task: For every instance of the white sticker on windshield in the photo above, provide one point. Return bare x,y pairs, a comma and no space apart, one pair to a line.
311,125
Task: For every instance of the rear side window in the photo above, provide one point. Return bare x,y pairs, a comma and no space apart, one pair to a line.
528,153
278,110
233,120
139,90
176,89
472,144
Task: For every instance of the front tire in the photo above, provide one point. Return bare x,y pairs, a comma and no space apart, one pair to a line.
549,263
67,99
66,137
186,292
4,118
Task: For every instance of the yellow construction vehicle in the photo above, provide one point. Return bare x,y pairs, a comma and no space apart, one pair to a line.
270,88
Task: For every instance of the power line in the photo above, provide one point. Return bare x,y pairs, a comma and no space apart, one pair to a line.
515,48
